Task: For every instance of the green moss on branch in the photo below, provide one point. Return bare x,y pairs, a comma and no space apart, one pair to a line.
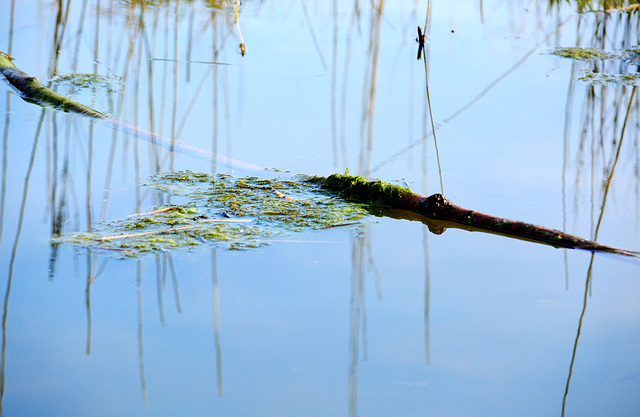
360,189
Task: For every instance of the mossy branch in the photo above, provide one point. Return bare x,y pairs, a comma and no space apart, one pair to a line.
439,213
31,90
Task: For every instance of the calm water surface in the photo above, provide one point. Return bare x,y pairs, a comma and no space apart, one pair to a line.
378,319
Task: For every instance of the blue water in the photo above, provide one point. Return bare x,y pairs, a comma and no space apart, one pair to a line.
378,319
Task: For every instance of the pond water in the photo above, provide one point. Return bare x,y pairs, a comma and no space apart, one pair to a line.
380,318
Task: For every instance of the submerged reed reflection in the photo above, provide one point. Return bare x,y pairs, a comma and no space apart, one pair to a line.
357,314
143,378
5,135
216,320
61,147
609,114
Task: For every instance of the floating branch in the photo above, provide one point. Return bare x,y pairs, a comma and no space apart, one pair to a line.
438,213
30,89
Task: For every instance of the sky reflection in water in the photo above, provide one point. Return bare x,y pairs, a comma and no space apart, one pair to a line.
376,319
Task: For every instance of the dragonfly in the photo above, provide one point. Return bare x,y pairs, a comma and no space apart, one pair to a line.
420,40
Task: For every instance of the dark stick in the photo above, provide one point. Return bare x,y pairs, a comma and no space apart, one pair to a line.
438,208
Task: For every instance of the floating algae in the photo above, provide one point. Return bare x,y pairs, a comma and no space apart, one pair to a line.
582,54
96,90
598,78
630,56
111,83
236,213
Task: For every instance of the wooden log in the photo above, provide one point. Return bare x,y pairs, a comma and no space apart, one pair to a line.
439,213
31,89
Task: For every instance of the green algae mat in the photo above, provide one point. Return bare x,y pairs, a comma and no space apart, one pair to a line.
236,213
630,56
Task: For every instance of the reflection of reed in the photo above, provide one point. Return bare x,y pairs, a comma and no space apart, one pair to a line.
218,41
152,39
361,243
216,320
426,118
588,285
5,151
345,78
595,237
357,316
90,278
607,116
313,34
425,232
143,379
575,344
14,251
5,135
161,283
369,85
164,267
174,108
334,79
140,40
361,260
606,108
369,89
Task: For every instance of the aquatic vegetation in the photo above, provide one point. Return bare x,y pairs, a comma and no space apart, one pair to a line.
236,213
287,204
598,6
582,54
601,78
80,81
629,56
